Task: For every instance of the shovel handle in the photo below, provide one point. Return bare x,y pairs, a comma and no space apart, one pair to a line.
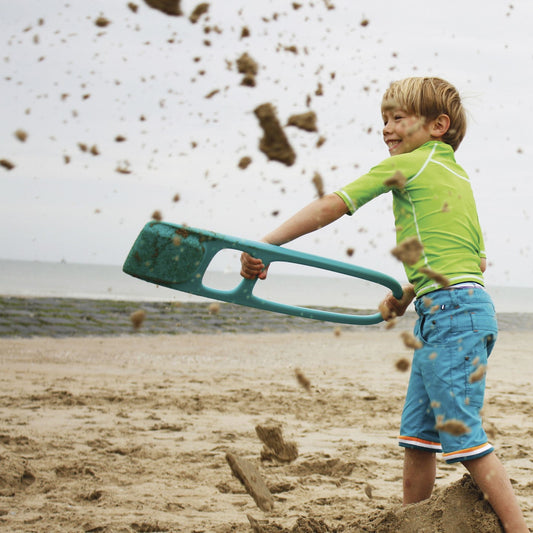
210,243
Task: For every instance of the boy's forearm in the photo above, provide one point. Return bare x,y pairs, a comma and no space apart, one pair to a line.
314,216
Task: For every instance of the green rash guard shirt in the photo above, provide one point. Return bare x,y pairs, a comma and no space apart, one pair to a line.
436,205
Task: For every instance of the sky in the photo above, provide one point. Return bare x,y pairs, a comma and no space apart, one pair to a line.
169,90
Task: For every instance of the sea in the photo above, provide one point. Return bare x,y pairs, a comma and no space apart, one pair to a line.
34,279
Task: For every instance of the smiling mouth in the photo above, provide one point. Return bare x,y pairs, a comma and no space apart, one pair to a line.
392,145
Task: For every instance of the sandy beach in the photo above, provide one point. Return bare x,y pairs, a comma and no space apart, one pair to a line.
131,433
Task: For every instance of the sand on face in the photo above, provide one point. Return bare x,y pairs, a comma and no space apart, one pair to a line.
131,433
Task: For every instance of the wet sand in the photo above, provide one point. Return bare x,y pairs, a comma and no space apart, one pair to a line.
130,433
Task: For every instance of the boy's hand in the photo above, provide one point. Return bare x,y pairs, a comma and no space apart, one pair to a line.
252,267
391,307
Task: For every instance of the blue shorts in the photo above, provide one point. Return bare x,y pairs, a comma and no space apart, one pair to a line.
458,329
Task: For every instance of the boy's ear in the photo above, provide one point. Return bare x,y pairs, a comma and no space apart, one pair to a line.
440,125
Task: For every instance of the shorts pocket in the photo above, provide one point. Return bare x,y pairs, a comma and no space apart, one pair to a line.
484,322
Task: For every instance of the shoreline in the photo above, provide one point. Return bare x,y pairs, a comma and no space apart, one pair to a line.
78,317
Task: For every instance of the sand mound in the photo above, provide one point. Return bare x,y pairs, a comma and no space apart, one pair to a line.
459,508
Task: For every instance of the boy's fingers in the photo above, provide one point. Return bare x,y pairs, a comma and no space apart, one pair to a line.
251,267
391,307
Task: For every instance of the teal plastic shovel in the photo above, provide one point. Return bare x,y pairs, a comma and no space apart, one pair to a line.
177,257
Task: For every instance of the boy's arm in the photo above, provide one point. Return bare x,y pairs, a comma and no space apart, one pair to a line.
314,216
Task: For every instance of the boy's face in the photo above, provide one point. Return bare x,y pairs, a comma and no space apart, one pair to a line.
403,132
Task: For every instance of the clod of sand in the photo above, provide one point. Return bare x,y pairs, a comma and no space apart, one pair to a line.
250,477
102,22
436,276
275,446
176,198
302,379
8,165
410,340
478,374
350,251
321,141
408,251
137,318
169,7
123,168
157,215
274,143
94,150
21,135
133,7
245,32
452,426
214,308
244,162
247,66
403,364
318,182
391,322
304,121
397,181
211,94
198,11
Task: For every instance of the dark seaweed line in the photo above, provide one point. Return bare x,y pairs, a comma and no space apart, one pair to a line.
77,317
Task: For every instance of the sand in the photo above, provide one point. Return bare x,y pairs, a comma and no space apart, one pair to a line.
132,433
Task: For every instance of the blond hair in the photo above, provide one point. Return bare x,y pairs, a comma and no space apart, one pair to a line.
428,98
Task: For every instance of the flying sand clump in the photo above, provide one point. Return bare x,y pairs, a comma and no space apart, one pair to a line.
410,340
318,182
304,121
302,379
274,143
408,251
397,181
244,162
248,67
198,11
435,276
169,7
137,318
452,426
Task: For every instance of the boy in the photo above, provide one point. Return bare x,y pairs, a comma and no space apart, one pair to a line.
433,204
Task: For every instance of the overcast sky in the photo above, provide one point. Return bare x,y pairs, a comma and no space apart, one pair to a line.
146,76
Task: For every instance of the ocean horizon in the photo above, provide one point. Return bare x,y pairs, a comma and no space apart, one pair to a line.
33,279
